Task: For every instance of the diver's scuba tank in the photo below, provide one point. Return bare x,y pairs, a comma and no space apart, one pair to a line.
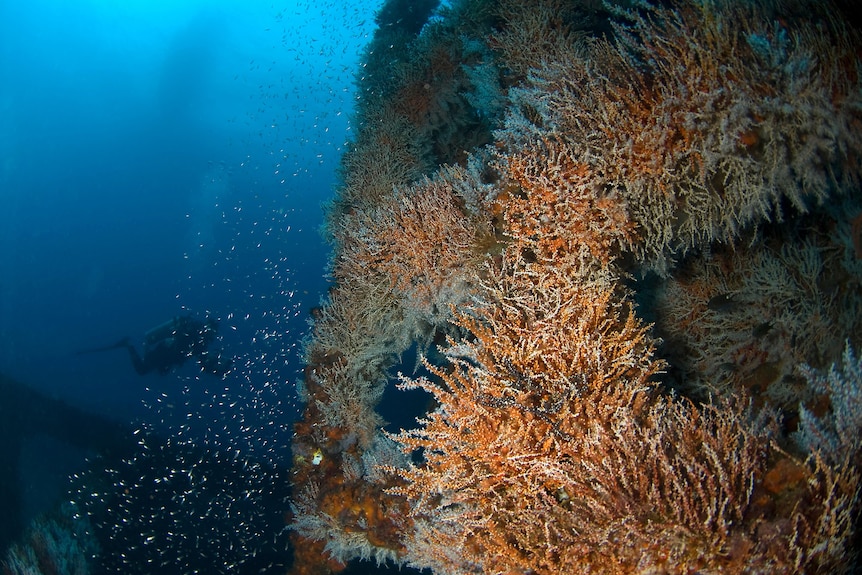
164,331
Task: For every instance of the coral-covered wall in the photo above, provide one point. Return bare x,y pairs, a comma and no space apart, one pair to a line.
625,236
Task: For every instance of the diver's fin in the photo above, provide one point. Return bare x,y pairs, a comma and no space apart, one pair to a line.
122,343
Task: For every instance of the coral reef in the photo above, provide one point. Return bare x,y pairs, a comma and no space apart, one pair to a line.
626,239
704,133
60,542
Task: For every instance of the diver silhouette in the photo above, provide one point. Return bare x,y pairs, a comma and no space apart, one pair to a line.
169,345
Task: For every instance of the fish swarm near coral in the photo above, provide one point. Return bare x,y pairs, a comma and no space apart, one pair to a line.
626,237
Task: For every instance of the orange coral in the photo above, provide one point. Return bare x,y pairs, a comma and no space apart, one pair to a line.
421,239
388,153
553,351
532,33
558,209
705,116
550,451
553,447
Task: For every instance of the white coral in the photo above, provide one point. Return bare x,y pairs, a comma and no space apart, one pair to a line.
836,435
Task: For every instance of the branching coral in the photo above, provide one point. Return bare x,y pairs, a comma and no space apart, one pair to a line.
59,542
555,207
565,436
554,350
550,452
532,34
705,117
388,153
836,434
744,319
422,239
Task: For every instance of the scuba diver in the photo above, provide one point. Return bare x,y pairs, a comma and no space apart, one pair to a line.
169,345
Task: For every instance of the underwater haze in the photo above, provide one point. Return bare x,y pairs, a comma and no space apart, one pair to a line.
157,157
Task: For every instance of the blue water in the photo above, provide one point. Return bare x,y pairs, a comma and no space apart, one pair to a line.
164,157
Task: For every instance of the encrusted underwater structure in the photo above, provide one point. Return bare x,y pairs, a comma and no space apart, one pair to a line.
627,239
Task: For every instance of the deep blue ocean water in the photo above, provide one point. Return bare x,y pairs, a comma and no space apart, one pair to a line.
160,157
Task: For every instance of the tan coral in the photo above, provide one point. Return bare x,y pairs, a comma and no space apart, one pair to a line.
558,209
553,447
700,156
742,320
422,239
